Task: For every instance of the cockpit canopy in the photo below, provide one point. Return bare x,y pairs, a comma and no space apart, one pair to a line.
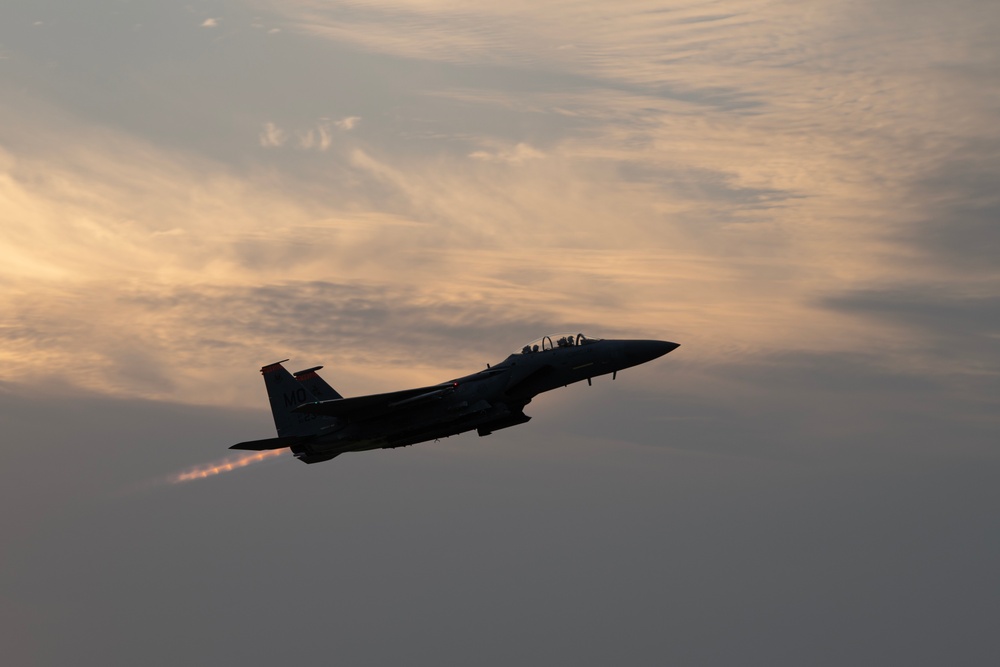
554,341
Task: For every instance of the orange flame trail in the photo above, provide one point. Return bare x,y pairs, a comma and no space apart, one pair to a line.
226,465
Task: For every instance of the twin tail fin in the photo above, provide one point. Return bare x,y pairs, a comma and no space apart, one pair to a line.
286,392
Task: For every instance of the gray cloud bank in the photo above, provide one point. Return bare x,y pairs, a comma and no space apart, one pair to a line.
539,545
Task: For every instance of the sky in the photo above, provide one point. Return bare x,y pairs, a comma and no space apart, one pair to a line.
804,195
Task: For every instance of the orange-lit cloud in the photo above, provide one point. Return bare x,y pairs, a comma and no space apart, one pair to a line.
725,173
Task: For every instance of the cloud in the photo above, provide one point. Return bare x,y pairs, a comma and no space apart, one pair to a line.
316,138
175,231
272,136
514,155
710,173
940,330
955,207
210,23
348,123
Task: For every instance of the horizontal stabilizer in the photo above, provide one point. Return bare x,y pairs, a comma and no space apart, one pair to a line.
268,443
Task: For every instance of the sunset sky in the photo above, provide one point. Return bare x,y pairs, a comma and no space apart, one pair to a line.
805,195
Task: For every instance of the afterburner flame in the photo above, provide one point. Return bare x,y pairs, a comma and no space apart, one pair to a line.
227,465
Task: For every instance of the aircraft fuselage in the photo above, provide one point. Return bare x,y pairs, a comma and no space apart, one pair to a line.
486,401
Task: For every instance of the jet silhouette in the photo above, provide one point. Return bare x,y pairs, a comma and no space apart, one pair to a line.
317,423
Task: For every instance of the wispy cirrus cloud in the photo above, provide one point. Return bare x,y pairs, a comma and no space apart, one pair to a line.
272,136
348,123
512,155
318,137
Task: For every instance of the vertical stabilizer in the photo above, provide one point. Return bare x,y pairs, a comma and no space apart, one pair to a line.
286,393
316,385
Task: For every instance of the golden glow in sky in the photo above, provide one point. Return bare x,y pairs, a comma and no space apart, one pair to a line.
440,181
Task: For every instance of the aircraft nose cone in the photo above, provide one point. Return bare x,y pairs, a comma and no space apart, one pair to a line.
641,351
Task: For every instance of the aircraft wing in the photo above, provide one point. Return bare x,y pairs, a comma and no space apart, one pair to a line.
360,407
269,443
527,383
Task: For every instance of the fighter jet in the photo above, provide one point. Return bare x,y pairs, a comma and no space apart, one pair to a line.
317,423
